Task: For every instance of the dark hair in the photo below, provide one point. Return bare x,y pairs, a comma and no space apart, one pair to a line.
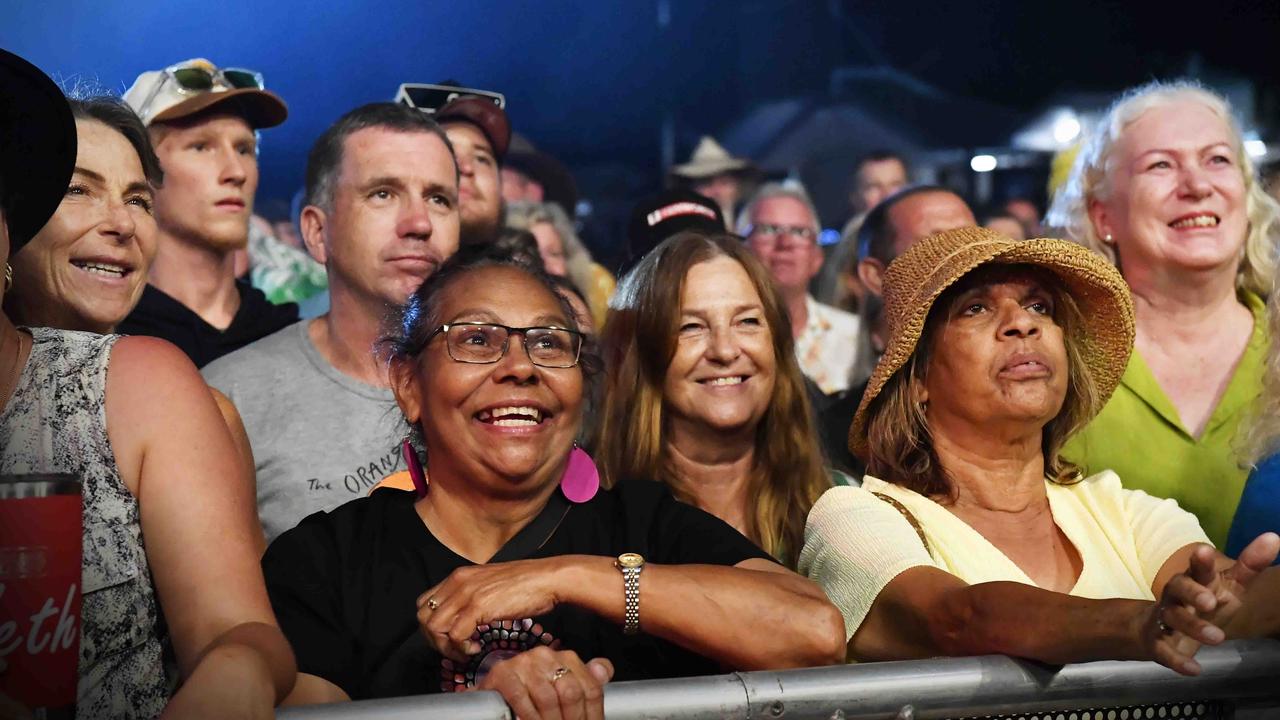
325,157
999,213
115,114
517,244
877,155
875,237
420,316
880,155
568,286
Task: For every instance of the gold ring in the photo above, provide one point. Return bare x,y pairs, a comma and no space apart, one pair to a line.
433,603
559,673
1161,625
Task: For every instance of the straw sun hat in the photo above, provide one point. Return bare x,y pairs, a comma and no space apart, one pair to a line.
914,281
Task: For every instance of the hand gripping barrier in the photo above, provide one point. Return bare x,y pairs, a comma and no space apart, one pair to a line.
1238,680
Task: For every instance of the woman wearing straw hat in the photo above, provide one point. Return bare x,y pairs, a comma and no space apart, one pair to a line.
170,538
971,534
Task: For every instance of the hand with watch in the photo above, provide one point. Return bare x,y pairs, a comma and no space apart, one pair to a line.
450,611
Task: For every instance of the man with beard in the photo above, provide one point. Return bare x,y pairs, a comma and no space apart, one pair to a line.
203,122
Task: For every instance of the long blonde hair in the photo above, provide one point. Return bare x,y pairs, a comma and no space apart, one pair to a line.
1090,174
1260,433
639,342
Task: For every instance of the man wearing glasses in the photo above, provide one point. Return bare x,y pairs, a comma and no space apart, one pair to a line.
381,214
203,122
781,228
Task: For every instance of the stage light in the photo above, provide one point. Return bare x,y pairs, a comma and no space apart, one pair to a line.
1255,148
983,163
1066,127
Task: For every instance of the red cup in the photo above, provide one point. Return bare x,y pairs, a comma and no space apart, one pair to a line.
40,530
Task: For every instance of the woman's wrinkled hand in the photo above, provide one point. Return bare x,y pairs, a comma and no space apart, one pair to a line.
1175,626
1198,605
546,684
484,594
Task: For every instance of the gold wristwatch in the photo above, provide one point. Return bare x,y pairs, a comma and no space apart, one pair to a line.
630,565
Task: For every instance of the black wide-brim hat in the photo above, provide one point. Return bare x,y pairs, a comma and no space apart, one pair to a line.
37,147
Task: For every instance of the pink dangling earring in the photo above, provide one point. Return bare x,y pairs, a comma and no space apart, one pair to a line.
581,479
414,465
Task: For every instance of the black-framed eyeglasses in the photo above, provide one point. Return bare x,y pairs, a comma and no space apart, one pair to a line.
486,343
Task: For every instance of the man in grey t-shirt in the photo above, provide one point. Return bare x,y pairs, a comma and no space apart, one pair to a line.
381,215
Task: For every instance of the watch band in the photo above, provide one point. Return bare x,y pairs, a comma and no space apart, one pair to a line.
630,565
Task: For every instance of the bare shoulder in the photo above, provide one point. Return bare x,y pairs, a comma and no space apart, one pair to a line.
145,362
154,396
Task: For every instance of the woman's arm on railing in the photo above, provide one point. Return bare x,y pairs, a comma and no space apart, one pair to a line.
712,610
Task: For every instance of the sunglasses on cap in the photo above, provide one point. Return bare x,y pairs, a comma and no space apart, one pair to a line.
196,78
431,98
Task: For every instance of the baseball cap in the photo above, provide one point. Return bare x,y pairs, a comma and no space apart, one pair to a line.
196,85
660,216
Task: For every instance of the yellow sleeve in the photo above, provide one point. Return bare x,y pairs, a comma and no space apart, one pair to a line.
1160,528
854,545
598,295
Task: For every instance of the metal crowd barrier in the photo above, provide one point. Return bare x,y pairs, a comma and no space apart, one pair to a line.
1238,680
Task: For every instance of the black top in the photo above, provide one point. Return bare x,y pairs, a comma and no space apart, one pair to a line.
835,415
344,586
160,315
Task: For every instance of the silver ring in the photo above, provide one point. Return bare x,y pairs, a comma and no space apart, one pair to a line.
1161,625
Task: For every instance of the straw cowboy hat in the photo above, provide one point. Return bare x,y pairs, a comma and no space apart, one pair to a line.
914,281
710,159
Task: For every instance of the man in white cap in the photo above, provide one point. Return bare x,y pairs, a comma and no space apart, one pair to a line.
203,122
713,172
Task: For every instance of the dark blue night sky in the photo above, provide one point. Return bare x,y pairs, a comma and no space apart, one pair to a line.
592,80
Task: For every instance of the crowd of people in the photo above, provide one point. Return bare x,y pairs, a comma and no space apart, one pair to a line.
472,456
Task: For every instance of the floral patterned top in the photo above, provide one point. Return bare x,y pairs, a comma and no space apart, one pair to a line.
56,423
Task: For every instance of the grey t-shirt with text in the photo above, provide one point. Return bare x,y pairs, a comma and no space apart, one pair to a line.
319,437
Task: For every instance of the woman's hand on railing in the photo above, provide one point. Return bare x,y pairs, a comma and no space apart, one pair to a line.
1203,604
1183,619
541,684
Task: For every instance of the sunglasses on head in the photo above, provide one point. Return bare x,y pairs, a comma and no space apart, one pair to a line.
202,78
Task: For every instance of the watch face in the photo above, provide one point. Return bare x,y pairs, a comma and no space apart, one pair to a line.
630,560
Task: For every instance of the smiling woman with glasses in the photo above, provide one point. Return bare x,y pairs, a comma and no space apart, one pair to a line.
484,343
510,569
